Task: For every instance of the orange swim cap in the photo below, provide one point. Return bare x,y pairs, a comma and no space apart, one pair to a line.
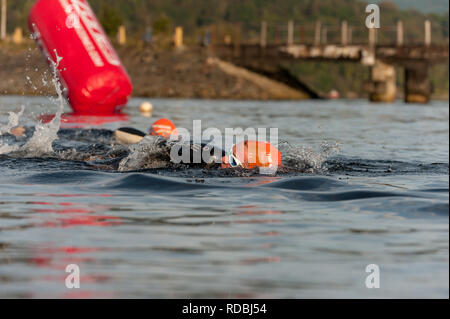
251,154
164,128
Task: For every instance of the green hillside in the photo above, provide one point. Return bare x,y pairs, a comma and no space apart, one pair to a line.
194,14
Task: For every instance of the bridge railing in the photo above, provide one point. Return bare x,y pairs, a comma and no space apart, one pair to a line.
319,33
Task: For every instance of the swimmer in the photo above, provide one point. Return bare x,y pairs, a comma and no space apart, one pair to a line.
165,130
252,154
163,127
128,135
18,131
247,154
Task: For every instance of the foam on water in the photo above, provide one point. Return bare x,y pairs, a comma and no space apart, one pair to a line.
303,159
148,154
13,121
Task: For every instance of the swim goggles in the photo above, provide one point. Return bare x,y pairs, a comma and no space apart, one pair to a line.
233,160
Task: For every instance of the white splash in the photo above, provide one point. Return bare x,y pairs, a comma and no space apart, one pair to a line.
5,148
13,121
306,159
149,153
45,134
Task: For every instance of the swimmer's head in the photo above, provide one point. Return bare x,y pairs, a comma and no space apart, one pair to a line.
164,128
18,131
252,154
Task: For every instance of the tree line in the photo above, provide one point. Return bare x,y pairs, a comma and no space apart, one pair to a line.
193,15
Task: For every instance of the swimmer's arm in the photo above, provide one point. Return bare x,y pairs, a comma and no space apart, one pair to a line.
128,135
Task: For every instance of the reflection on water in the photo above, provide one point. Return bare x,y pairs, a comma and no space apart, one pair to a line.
53,258
174,234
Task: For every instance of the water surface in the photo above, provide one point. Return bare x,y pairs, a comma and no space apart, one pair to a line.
383,199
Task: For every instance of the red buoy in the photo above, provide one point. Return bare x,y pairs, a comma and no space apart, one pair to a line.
69,34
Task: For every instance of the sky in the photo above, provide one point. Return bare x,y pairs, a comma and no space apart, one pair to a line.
426,6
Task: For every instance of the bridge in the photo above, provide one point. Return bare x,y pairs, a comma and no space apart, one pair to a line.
382,57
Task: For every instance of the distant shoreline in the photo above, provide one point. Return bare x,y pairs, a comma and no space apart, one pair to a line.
155,73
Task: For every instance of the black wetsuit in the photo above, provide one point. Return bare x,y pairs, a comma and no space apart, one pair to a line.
199,154
189,153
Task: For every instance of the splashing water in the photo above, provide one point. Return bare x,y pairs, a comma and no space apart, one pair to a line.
305,159
45,134
13,122
149,153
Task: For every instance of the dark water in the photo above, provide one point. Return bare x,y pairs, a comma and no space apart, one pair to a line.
166,233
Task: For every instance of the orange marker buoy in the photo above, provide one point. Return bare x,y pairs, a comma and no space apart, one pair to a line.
164,128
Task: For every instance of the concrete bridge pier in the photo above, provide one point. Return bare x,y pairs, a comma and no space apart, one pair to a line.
417,83
382,85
